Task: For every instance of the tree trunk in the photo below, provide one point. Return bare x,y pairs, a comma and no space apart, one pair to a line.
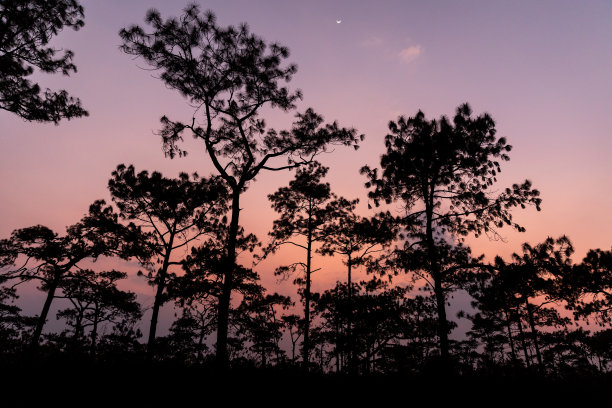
155,315
442,322
525,352
338,362
349,327
226,293
94,331
534,334
45,311
321,357
78,326
601,368
306,343
201,336
436,274
510,338
161,285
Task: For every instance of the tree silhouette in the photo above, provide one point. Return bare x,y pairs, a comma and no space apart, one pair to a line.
532,279
568,353
377,317
12,323
294,325
355,238
121,344
26,27
185,343
497,313
332,307
196,293
599,347
257,320
50,258
420,331
173,213
442,172
319,346
228,75
200,288
303,215
588,286
96,300
524,293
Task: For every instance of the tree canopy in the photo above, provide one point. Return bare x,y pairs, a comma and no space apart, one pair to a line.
228,74
26,28
173,214
443,173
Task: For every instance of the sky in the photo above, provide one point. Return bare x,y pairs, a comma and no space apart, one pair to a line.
540,69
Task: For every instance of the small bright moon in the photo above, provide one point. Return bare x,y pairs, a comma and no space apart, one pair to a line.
338,21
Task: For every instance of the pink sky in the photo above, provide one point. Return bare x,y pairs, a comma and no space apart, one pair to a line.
541,69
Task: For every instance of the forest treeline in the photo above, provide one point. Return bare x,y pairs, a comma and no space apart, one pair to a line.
434,186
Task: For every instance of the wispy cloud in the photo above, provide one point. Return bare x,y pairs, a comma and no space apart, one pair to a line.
373,42
411,53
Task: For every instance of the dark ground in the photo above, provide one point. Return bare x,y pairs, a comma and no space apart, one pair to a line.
91,383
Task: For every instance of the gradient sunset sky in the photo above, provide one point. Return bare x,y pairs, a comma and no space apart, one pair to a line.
542,69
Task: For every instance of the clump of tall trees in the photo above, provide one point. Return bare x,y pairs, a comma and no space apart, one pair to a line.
230,74
528,314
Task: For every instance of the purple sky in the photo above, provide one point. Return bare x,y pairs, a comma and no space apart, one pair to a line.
541,69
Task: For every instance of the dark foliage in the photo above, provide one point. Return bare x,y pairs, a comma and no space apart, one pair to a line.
305,211
528,314
171,214
26,28
50,259
442,172
229,74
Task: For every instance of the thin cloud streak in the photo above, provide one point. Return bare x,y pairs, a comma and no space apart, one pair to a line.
372,42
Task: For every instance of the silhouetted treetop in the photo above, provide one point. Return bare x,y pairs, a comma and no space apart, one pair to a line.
50,258
301,206
97,233
588,286
456,163
229,73
164,204
26,27
230,69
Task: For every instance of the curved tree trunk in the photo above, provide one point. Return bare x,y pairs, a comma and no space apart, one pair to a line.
42,319
159,293
155,315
